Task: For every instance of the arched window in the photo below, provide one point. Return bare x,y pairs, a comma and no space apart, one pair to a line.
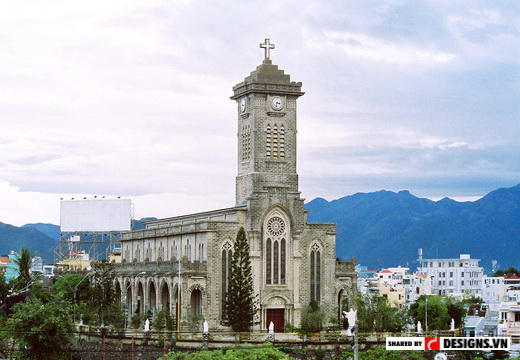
160,253
196,302
268,262
282,261
315,272
201,252
227,257
138,254
173,252
275,250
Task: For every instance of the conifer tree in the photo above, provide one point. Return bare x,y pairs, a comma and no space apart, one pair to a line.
240,303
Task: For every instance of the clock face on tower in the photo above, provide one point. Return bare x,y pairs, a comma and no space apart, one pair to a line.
242,105
276,103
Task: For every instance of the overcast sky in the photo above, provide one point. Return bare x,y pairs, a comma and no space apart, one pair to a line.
131,98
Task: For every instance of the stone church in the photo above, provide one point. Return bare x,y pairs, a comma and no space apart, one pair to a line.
181,264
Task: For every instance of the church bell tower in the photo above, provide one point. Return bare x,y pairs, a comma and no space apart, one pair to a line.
266,106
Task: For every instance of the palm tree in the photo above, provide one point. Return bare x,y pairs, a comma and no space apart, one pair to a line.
24,263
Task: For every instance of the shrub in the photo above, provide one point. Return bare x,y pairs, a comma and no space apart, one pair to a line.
244,352
312,319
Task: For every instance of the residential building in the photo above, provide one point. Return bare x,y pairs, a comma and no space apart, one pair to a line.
454,276
417,285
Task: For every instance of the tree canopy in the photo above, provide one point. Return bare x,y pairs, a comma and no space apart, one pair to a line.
102,296
376,314
43,330
440,311
510,271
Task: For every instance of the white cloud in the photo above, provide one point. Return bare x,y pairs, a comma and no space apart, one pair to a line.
5,188
132,98
370,48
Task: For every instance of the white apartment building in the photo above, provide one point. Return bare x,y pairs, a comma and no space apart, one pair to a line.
416,285
493,289
454,276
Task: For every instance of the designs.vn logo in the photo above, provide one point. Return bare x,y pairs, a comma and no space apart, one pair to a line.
432,343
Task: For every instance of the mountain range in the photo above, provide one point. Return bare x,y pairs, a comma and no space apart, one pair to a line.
384,228
381,229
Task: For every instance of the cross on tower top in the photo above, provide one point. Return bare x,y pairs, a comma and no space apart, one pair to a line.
267,48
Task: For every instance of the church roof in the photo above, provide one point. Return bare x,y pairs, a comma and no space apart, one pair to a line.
268,73
267,78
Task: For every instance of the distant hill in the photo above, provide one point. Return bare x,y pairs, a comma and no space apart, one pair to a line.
381,229
40,238
52,231
384,228
15,238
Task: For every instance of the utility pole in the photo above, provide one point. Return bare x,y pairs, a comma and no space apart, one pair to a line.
426,320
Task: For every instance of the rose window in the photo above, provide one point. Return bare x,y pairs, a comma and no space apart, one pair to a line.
275,226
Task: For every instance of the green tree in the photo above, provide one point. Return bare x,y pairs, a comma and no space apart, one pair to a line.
4,289
70,287
435,306
42,330
510,271
374,313
240,304
473,299
456,310
102,296
24,263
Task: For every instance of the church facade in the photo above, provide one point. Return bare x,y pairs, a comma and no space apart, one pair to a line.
181,264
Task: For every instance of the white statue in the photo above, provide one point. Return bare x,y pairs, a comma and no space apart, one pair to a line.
147,325
271,328
419,327
205,327
452,327
351,317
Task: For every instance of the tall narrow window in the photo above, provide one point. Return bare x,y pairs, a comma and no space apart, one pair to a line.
315,272
276,263
281,151
227,256
313,283
268,259
268,143
224,275
318,275
246,143
275,142
282,261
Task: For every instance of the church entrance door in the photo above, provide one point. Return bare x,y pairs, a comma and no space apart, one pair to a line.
277,316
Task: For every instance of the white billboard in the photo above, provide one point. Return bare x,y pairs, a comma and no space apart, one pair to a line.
95,215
